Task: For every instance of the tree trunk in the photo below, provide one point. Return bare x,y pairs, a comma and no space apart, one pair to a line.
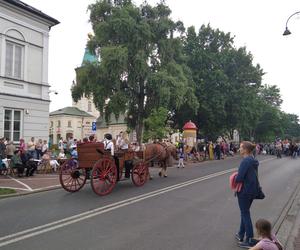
140,131
140,118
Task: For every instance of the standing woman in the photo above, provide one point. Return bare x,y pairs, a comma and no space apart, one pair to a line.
247,176
211,151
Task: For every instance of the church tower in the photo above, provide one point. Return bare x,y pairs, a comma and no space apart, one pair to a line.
87,104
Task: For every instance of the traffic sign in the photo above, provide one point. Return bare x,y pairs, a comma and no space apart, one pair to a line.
94,127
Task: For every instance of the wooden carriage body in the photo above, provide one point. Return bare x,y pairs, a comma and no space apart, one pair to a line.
103,169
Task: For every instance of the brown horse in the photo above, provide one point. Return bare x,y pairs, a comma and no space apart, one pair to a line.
161,153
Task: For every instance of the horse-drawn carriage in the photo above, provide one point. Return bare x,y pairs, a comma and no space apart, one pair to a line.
103,169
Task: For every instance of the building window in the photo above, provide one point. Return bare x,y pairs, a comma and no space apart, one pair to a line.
14,60
69,124
89,106
58,124
51,124
12,124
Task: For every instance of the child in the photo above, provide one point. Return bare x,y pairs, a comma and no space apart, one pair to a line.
181,158
268,240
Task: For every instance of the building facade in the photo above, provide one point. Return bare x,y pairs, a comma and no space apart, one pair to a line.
70,122
24,87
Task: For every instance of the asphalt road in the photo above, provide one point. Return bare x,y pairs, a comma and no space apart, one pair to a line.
191,209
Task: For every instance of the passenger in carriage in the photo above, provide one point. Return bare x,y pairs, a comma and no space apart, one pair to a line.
124,145
124,142
118,139
108,144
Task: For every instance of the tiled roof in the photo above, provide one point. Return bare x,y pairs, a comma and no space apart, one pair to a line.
73,111
32,10
101,123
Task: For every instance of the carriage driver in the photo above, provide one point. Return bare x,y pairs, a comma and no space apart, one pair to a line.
108,144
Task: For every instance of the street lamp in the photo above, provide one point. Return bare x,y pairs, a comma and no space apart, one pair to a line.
53,91
287,32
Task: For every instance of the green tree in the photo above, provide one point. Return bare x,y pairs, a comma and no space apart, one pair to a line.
226,82
271,95
290,126
142,65
156,124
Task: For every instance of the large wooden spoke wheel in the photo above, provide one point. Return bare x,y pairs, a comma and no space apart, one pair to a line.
104,176
140,174
71,177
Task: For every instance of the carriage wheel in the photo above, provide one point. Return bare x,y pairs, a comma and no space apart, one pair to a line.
71,177
104,176
139,174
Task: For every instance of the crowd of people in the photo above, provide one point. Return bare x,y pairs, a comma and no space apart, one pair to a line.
27,157
279,148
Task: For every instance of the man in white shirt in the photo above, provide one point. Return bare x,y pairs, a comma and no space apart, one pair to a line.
108,144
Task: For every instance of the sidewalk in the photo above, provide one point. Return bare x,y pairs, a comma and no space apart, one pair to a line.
27,185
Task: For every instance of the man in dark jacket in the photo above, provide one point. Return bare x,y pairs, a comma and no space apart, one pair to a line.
2,149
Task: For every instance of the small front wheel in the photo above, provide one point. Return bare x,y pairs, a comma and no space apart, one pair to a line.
71,177
140,174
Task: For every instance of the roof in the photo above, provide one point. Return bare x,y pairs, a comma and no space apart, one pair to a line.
89,57
73,111
32,10
190,125
101,123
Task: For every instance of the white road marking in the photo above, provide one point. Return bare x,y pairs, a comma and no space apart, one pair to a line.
38,189
20,182
23,189
6,240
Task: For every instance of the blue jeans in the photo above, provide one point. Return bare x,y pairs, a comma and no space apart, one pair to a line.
246,223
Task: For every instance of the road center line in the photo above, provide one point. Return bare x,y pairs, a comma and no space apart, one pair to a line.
12,238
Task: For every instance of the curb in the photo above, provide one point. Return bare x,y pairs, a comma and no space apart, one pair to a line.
28,193
288,223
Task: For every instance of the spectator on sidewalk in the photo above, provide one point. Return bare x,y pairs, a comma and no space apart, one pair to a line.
44,147
218,151
2,149
247,176
268,240
17,162
211,150
10,149
181,158
31,147
22,146
38,148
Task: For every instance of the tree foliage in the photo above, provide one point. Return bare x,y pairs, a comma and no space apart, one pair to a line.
142,65
152,70
156,124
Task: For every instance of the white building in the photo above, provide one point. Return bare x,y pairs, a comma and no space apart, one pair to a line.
24,87
70,122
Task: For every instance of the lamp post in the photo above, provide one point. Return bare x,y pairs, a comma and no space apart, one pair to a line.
287,32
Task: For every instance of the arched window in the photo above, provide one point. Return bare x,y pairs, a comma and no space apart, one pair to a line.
89,106
14,54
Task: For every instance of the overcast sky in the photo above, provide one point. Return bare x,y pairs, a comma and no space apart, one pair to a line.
256,24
